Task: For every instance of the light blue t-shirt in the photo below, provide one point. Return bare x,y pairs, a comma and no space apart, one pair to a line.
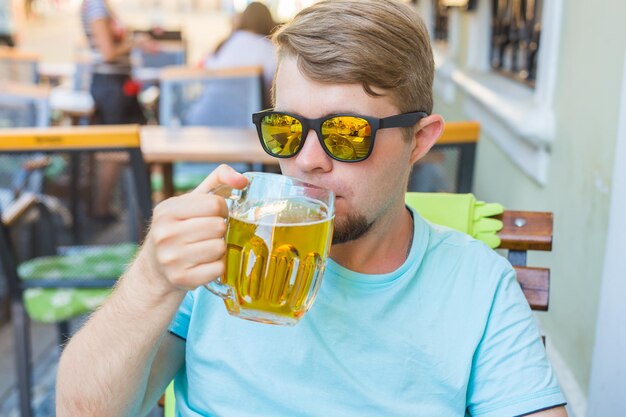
449,333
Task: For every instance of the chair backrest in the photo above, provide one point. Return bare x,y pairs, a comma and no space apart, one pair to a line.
24,105
170,53
449,166
9,218
19,66
81,77
21,105
202,97
161,34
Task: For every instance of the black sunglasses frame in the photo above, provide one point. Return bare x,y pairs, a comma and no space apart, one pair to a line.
398,120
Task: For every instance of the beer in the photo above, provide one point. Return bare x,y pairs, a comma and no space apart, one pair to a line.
275,258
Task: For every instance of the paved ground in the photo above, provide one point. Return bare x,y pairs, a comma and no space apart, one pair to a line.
45,355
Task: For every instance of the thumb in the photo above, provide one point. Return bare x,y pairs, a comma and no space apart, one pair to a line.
222,175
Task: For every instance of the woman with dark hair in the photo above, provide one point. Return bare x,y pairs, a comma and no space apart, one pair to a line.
248,44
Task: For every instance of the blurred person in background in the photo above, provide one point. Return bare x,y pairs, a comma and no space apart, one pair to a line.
10,18
248,44
113,90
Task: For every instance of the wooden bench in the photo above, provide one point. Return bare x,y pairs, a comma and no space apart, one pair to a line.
524,231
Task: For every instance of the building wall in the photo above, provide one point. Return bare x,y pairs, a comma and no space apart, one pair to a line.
578,187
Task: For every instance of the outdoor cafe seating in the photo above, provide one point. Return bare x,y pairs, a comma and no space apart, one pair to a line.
64,280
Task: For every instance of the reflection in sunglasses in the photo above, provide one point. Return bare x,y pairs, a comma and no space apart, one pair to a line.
345,137
340,146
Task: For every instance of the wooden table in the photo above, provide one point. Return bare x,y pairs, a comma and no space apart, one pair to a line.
162,146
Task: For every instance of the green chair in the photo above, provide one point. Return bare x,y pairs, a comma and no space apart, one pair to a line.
72,280
169,407
514,231
461,212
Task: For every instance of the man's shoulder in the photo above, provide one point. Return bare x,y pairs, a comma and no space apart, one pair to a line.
451,246
446,236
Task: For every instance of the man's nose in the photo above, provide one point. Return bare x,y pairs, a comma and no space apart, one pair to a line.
312,156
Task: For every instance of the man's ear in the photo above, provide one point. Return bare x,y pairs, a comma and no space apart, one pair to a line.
428,131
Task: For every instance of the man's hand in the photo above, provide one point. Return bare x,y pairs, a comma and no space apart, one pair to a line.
185,245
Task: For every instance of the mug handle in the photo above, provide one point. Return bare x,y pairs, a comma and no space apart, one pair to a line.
231,195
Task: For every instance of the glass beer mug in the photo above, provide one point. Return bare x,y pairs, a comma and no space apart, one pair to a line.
278,238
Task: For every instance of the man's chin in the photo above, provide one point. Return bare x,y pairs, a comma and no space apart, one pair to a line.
349,228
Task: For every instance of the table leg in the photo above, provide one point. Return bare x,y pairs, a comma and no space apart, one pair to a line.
167,171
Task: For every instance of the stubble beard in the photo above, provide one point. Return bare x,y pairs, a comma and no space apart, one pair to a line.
352,227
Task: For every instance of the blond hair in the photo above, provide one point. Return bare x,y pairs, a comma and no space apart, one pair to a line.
380,44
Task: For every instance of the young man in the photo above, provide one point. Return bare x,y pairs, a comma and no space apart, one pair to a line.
411,320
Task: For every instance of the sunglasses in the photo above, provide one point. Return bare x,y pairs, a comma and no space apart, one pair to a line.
344,137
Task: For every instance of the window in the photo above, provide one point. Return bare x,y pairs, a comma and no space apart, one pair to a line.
515,36
440,21
500,66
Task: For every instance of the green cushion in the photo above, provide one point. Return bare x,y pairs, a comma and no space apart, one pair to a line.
60,304
461,212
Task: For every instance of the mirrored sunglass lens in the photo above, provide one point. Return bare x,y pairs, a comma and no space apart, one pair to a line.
281,134
347,137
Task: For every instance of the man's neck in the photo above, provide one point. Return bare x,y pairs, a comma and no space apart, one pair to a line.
383,249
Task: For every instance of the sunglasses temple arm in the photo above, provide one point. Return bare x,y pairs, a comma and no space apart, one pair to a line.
402,120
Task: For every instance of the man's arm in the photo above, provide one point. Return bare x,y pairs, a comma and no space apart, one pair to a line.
103,39
112,50
105,368
123,357
551,412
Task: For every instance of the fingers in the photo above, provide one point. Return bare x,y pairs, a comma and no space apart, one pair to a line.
168,232
200,229
201,275
186,235
190,206
205,252
222,175
202,263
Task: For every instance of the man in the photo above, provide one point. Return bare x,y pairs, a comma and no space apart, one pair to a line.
411,320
